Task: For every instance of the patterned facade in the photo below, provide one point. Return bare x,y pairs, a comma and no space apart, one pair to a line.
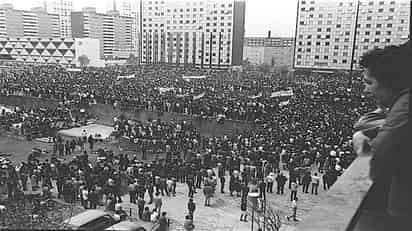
204,33
329,32
41,50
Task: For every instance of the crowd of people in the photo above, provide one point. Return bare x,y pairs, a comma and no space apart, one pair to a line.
310,126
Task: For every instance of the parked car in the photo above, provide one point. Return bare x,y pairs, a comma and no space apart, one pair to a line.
130,226
91,219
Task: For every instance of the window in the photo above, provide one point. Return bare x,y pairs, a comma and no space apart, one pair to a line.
388,40
369,18
317,43
327,29
302,23
378,25
327,43
309,36
326,57
338,25
366,40
392,10
389,25
335,61
316,56
368,25
344,61
319,29
336,47
377,33
380,10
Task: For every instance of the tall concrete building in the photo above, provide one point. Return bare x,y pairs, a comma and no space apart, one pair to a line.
128,8
22,23
203,33
112,30
63,8
335,34
274,51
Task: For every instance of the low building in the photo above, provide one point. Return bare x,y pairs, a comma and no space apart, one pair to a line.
64,51
276,51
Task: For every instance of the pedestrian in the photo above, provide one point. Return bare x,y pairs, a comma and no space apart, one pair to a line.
280,181
158,202
293,191
140,205
306,182
191,207
243,208
188,225
269,182
294,210
315,183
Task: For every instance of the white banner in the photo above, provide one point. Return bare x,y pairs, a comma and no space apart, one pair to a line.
288,92
74,69
199,96
255,96
283,103
125,77
188,78
165,89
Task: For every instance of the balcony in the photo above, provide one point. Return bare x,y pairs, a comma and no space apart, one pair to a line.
353,203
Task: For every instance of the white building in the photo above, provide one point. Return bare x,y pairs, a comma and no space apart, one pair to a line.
274,51
204,33
128,8
90,48
326,30
63,8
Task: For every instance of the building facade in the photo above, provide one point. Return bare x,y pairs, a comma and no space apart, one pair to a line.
21,23
63,9
40,50
335,34
276,52
128,8
112,30
203,33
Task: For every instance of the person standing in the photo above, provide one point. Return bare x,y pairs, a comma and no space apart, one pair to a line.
293,191
294,209
269,182
387,76
315,183
140,205
243,208
191,207
188,225
280,181
306,182
158,202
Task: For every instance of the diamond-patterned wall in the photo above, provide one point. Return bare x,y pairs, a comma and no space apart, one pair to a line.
53,50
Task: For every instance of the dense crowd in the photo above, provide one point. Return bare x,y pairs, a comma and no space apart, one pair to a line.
311,127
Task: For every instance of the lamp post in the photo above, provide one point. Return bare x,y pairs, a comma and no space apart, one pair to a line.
253,198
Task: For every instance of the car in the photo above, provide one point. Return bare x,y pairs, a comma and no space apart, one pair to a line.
91,219
131,226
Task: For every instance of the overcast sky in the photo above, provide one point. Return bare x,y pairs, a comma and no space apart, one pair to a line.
278,16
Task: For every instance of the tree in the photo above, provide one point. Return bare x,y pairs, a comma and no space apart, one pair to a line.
132,60
83,60
264,216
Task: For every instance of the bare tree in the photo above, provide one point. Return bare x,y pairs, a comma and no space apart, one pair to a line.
265,216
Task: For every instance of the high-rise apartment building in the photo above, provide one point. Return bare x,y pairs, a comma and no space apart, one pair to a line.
128,8
63,8
335,34
204,33
274,51
22,23
113,31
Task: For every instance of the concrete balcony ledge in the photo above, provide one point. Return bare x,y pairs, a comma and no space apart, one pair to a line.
339,209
